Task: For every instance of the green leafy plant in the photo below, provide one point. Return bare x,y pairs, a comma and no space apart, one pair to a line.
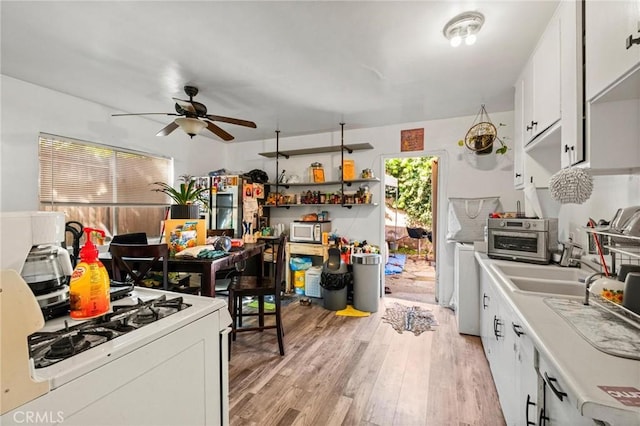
187,193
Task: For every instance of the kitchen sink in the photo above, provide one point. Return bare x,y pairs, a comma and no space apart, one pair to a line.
556,287
542,279
547,272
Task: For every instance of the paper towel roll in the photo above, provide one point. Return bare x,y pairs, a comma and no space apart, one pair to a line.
531,203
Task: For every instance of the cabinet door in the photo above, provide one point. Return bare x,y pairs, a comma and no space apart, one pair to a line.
608,25
518,137
546,78
559,405
486,314
526,376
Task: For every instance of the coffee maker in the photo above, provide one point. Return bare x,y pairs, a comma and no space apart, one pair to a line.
30,245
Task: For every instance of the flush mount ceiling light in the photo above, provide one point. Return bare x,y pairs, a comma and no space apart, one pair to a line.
191,126
463,26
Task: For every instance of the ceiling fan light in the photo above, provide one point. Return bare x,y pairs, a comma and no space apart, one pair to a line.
455,41
191,126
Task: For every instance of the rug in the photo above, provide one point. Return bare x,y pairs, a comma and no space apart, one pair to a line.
395,264
410,318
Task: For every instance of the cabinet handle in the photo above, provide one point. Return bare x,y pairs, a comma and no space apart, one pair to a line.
484,298
518,175
542,420
550,381
517,328
568,148
631,41
526,410
496,327
533,124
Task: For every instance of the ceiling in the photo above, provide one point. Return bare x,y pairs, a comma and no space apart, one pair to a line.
301,67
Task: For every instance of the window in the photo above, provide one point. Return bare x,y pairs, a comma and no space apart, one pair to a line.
103,187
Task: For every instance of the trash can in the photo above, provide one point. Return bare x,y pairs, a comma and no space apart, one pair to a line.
333,281
366,281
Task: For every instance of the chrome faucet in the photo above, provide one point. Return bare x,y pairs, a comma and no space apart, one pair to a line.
588,281
571,253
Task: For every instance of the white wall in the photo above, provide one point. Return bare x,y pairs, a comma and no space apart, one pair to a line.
28,109
462,175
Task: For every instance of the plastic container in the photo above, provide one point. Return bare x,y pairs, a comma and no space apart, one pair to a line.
298,281
366,281
89,287
312,282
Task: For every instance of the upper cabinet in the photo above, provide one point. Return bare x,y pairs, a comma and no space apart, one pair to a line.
542,93
612,59
612,28
547,110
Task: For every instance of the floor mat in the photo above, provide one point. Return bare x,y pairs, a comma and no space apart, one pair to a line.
410,318
395,265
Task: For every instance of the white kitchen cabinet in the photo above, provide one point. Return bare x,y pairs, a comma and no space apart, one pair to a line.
510,353
559,406
548,102
612,86
546,81
609,25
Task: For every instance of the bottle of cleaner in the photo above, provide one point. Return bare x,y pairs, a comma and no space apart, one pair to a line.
89,287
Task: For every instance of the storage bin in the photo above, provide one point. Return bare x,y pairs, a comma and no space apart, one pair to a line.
298,281
312,282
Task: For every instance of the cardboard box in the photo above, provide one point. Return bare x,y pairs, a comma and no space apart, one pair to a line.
180,234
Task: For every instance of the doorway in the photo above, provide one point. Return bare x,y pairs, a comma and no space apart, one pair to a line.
411,184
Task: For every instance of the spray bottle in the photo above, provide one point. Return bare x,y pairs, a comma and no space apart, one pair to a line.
89,287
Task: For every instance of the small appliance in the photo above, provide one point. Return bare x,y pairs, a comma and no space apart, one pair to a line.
308,231
31,246
522,239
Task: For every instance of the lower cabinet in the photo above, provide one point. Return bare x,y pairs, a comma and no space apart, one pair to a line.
530,390
559,407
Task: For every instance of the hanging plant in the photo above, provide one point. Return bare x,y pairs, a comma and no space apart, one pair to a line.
482,135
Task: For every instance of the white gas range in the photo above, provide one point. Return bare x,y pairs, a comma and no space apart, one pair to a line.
159,358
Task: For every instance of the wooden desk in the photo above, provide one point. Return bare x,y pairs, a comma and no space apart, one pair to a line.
307,249
207,267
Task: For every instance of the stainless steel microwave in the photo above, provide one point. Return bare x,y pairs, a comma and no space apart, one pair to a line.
522,239
308,232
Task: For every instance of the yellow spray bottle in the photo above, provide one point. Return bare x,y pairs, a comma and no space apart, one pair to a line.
89,287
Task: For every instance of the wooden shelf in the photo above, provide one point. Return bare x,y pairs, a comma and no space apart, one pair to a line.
319,150
320,205
335,182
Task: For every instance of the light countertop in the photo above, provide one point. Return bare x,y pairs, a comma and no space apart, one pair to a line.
582,366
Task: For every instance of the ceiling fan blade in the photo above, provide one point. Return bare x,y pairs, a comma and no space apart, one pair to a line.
218,131
146,113
167,129
237,121
185,105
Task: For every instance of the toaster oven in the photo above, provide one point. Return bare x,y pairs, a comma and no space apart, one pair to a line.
522,239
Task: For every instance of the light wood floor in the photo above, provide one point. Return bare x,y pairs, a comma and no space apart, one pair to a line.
359,371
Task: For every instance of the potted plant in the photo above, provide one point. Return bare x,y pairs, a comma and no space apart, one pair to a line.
186,199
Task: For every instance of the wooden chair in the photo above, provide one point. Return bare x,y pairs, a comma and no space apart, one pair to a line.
136,260
259,286
221,232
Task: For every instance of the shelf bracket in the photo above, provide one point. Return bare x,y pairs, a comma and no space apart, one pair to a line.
631,41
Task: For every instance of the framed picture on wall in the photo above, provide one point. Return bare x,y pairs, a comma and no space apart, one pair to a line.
412,140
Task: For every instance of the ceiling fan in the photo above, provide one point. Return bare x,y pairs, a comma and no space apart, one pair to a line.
193,117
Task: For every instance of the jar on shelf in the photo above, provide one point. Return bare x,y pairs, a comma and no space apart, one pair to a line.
316,173
367,174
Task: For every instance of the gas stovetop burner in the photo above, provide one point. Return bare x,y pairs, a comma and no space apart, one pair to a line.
47,348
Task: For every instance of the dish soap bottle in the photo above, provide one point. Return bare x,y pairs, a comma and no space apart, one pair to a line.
89,287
